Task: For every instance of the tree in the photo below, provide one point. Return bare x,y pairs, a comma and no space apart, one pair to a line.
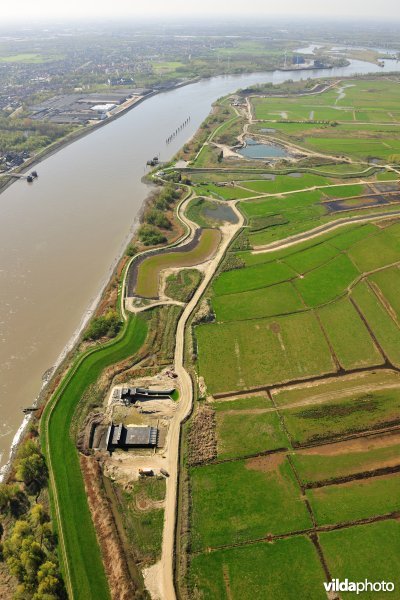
38,515
28,448
32,471
31,558
50,585
151,236
12,499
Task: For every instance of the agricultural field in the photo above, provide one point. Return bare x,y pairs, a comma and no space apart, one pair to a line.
359,119
370,551
260,309
356,499
292,565
294,491
345,459
360,412
247,426
298,356
240,491
245,354
224,192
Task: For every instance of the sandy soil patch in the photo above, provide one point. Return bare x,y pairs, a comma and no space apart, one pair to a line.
362,444
267,463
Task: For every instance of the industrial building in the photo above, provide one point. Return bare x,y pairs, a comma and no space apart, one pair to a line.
125,437
80,108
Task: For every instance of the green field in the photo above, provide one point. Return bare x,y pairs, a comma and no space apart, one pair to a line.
266,302
311,258
239,492
82,551
342,459
382,325
263,570
387,283
327,282
286,183
367,552
344,191
355,500
223,192
342,387
349,336
29,58
257,276
247,430
241,355
376,251
150,269
364,410
362,124
252,402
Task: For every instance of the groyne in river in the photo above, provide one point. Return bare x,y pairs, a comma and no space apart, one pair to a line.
61,237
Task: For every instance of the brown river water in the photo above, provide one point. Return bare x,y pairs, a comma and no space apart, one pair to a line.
61,236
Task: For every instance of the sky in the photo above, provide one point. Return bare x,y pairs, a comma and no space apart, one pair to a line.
75,9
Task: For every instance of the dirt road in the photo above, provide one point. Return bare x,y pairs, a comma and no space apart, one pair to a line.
317,231
160,577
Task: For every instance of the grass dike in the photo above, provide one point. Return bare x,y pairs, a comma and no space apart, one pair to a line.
80,554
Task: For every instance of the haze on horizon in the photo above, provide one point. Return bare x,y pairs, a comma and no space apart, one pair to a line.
42,10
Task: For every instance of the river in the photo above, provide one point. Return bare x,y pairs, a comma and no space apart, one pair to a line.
61,236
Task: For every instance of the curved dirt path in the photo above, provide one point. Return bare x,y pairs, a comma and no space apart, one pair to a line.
160,577
320,230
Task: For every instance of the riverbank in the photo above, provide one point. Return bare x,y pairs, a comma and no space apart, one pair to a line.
106,185
86,130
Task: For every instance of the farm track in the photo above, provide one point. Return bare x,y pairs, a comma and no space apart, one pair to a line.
294,382
160,577
320,230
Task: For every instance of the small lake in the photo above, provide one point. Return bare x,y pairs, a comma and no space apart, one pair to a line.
257,150
220,212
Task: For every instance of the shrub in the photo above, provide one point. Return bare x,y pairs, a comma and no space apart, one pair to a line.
157,218
131,250
151,236
109,325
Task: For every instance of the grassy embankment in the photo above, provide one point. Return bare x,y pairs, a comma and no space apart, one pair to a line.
81,560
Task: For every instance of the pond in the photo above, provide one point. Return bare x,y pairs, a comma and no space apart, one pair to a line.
257,150
220,212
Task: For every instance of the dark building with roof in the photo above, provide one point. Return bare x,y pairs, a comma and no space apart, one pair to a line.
120,436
